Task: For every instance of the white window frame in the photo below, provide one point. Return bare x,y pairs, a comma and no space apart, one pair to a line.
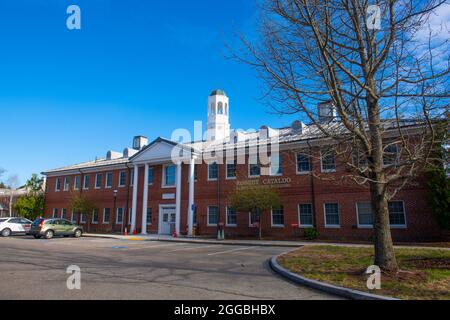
362,226
296,163
85,177
120,177
63,210
103,219
164,184
327,170
207,217
106,180
331,226
210,164
83,218
226,170
301,225
117,215
92,219
226,218
75,178
397,155
66,186
254,176
250,225
272,225
280,160
58,184
55,210
399,226
72,216
97,176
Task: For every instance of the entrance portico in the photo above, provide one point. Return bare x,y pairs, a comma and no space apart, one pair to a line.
171,157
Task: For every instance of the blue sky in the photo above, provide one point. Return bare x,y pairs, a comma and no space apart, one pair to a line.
135,67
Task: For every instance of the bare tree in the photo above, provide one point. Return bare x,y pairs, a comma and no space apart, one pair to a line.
13,182
386,76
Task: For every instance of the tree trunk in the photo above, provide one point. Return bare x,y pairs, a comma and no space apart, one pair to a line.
384,249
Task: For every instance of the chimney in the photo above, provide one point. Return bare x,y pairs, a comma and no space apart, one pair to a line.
139,142
326,111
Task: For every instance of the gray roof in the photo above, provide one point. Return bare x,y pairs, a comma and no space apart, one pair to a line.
285,135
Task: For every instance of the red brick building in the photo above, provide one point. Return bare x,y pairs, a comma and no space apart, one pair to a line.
166,186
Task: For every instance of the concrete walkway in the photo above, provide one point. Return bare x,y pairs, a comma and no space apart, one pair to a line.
270,243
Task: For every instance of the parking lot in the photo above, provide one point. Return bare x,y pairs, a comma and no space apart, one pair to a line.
125,269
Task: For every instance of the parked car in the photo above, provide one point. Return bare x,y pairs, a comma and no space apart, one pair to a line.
49,228
10,226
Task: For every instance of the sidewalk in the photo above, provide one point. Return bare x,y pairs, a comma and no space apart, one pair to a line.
268,243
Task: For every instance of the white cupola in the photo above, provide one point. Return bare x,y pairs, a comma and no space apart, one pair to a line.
218,124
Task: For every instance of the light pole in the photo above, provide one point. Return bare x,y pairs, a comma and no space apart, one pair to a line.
114,210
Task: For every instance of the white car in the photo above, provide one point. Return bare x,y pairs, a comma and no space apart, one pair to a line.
10,226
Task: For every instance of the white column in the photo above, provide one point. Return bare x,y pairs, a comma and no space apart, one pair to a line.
178,199
135,190
191,198
144,201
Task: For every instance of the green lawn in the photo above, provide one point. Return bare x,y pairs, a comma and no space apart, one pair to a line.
424,273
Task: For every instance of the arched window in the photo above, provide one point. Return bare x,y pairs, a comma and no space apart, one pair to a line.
212,109
220,108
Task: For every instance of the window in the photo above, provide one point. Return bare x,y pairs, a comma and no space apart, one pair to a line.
66,183
109,178
331,215
276,165
390,155
86,182
303,163
106,215
359,159
254,218
131,177
231,170
122,178
305,211
278,217
213,172
55,213
365,214
83,218
58,185
397,217
149,215
169,175
254,169
95,216
212,215
72,216
98,181
220,108
76,183
328,160
150,175
231,217
119,216
63,213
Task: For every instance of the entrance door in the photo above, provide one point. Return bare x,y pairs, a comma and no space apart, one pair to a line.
167,217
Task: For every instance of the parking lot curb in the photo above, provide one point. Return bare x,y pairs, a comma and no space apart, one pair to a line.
321,286
196,240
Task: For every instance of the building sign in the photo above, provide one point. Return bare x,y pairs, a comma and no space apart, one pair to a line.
168,196
275,181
